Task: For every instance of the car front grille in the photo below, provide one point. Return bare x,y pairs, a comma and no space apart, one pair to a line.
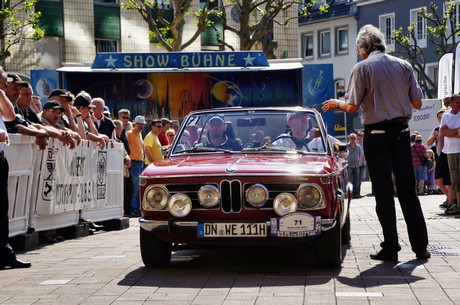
231,196
233,193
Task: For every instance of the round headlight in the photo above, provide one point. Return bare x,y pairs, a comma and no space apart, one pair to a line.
155,197
209,196
180,205
257,195
309,196
285,203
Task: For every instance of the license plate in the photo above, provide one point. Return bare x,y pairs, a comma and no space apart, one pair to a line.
232,229
296,224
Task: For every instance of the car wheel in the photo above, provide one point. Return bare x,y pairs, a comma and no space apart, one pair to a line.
154,252
329,247
346,229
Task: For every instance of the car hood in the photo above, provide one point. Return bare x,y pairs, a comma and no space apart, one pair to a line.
242,164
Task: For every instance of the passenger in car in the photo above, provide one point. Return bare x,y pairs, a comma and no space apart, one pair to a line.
256,139
216,127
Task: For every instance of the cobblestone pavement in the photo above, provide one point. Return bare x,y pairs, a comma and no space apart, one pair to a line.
106,268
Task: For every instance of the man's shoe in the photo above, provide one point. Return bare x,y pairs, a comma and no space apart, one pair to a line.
13,262
385,256
424,254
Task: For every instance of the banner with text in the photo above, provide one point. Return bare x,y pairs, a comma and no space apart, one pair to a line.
71,180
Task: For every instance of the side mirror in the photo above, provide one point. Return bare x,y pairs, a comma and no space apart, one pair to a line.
341,150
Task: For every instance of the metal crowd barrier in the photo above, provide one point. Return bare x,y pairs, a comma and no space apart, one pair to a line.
55,187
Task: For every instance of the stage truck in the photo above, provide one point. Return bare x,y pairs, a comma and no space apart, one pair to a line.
175,83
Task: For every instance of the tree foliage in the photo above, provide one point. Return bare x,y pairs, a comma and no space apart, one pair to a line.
442,33
169,33
18,22
256,19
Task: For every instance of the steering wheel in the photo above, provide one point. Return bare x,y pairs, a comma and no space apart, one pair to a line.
298,142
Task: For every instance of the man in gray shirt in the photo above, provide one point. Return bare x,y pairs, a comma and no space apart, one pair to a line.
386,90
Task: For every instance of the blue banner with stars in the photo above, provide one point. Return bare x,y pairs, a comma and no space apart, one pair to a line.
179,60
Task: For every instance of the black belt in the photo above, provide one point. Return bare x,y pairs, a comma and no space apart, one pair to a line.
399,121
137,161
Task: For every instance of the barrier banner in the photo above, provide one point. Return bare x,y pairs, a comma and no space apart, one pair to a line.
71,180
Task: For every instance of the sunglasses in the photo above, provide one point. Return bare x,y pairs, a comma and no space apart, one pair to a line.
125,117
158,126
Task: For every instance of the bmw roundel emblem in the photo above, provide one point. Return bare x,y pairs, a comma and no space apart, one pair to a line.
230,169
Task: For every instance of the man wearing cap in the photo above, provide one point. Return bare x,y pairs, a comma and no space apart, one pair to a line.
152,145
65,99
103,124
298,135
14,86
50,117
136,147
7,257
106,112
216,127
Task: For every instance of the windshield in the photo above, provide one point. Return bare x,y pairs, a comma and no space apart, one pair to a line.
254,130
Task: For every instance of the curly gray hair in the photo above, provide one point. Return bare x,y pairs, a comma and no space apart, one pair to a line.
370,38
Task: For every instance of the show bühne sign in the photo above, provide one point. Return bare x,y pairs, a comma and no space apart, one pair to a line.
71,179
179,60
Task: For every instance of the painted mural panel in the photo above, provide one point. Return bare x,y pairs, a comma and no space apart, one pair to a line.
175,94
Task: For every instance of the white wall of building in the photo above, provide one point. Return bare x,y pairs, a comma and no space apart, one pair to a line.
342,62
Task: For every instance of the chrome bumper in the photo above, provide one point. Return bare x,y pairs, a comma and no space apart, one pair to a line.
172,225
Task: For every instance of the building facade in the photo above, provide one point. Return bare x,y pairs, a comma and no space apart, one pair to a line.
75,30
329,38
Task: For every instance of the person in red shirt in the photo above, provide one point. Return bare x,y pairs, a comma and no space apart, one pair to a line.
166,123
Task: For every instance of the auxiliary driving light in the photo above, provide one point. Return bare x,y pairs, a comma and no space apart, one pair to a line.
257,195
285,203
180,205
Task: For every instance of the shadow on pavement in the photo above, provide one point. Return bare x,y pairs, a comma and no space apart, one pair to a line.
226,267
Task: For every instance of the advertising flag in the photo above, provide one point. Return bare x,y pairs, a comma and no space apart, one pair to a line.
445,76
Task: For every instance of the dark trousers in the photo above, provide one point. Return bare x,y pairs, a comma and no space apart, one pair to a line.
5,249
354,175
128,193
386,152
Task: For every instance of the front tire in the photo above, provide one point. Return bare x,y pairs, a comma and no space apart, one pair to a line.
154,252
329,247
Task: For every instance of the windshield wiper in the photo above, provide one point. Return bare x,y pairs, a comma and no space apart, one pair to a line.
274,148
205,149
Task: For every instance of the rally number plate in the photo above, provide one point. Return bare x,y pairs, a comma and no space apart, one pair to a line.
296,224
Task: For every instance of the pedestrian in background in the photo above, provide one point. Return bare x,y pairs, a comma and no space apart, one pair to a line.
450,137
419,152
355,153
136,148
386,90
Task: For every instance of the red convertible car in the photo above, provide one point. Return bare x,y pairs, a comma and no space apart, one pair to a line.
256,176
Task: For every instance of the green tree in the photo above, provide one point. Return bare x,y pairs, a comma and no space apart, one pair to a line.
18,22
256,18
169,31
442,32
